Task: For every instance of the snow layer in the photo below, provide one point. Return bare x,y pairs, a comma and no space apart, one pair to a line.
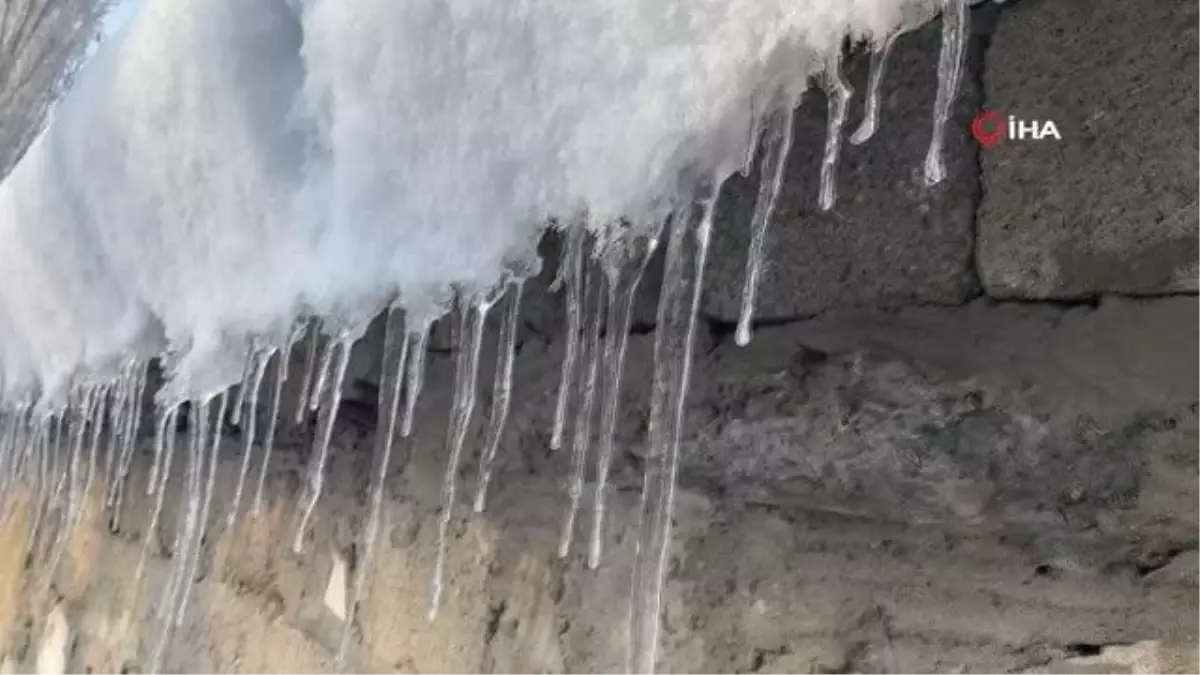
223,167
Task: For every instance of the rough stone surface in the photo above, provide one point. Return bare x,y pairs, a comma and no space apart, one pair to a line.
993,487
1112,207
889,241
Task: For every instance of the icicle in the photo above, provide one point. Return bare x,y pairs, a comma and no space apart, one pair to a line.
98,415
116,428
310,361
673,361
622,292
501,391
59,472
755,131
261,358
213,460
316,470
133,420
594,298
42,464
416,379
314,400
281,376
466,371
395,353
83,404
778,143
248,369
950,62
185,532
571,276
838,94
168,425
870,120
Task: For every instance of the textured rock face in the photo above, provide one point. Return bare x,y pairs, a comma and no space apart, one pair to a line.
888,241
1112,207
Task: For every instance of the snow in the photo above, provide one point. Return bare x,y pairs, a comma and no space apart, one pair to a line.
223,168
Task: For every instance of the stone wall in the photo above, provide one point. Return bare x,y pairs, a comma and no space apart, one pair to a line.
963,439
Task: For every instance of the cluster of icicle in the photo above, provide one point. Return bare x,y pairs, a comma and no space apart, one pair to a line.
57,448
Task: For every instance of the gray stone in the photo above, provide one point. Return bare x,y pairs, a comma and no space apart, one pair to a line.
1112,207
888,241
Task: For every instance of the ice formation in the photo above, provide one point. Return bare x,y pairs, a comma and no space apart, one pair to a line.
230,181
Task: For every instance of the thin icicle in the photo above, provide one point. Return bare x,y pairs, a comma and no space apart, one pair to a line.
314,400
950,63
98,416
310,362
673,360
82,405
838,95
168,425
116,424
778,143
281,376
248,370
416,379
572,278
185,533
261,359
755,130
466,371
594,298
213,460
395,353
133,419
316,471
501,391
622,292
870,121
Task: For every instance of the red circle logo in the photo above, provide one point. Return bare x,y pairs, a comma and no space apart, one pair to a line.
988,128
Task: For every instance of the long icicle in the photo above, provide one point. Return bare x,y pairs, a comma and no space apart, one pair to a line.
170,416
83,404
248,368
501,391
622,292
214,457
778,143
310,362
950,64
395,353
134,420
250,428
467,368
281,376
672,380
314,399
870,121
98,417
116,424
594,298
838,95
572,279
416,378
185,531
316,470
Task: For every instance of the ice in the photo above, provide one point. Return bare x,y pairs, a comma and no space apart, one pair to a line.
870,120
281,376
950,62
395,354
329,411
623,268
416,378
473,315
193,557
778,143
501,391
570,279
310,362
168,426
582,434
260,360
838,94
